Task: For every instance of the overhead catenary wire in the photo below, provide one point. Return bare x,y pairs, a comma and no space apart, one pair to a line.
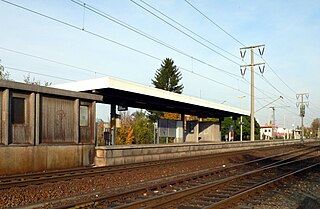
295,92
52,61
134,29
83,69
184,27
238,41
149,5
109,17
96,35
79,28
112,41
214,23
181,31
36,73
189,35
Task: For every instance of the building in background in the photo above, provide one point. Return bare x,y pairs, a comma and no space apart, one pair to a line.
268,132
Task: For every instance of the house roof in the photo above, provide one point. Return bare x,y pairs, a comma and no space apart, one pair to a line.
130,94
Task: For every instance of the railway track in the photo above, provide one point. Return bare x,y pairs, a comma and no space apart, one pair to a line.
222,194
163,191
55,176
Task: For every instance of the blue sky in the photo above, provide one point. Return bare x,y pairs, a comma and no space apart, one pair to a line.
289,29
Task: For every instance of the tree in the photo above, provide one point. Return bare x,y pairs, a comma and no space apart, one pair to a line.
171,116
4,75
142,128
135,128
27,79
130,136
315,127
124,132
100,129
121,134
227,122
167,77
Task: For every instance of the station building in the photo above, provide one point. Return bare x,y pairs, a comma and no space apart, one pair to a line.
45,128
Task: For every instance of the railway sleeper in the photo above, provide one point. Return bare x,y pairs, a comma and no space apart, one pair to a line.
244,207
219,192
204,198
198,202
238,187
188,207
232,189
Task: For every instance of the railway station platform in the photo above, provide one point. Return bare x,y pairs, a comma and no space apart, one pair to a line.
127,154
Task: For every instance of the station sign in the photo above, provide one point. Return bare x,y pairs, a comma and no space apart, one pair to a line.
122,108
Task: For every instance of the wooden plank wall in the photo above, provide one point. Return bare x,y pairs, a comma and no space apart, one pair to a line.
57,120
47,119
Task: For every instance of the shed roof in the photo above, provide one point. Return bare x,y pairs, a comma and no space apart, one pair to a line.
5,84
127,93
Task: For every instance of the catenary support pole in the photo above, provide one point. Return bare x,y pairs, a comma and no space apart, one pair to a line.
252,64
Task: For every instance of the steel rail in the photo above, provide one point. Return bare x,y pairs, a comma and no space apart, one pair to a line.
259,187
171,198
69,174
141,190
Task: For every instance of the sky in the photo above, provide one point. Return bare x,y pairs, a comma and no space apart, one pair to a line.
61,41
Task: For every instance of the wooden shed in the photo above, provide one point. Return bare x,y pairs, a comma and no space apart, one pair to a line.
44,128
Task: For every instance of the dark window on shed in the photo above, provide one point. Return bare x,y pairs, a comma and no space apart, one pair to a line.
191,126
84,115
18,109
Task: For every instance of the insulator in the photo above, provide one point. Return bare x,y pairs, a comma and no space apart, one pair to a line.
262,69
243,71
261,51
242,53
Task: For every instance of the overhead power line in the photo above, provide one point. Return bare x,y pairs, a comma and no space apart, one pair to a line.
181,31
81,29
53,61
127,26
84,69
117,43
294,92
104,38
242,44
184,27
210,20
99,36
42,74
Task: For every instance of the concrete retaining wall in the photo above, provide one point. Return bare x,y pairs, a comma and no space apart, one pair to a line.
121,154
25,159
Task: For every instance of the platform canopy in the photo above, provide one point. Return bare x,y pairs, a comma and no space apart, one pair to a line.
129,94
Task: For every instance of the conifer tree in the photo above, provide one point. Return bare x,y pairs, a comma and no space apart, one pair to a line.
168,77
